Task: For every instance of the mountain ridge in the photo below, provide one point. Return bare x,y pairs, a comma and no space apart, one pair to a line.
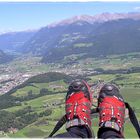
114,37
103,17
97,35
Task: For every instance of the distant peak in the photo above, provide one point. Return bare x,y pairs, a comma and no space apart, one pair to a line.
15,32
71,20
99,18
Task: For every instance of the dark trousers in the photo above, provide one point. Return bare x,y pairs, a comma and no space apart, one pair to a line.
82,132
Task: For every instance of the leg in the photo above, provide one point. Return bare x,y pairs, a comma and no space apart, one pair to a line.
74,132
78,109
105,133
111,108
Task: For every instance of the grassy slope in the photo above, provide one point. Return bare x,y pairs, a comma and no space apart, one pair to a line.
113,62
131,95
38,102
36,88
129,92
44,130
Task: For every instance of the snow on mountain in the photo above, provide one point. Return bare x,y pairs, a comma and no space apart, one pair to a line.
99,18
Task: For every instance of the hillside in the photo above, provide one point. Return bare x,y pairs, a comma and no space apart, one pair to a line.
5,57
114,37
43,78
94,36
36,108
14,40
86,36
7,100
98,49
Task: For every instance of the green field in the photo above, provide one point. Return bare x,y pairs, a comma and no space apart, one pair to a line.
40,131
129,86
113,62
51,86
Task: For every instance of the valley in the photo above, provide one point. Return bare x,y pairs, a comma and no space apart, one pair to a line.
37,97
22,68
15,73
36,68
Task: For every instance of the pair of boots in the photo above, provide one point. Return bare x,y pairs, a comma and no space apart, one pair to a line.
111,109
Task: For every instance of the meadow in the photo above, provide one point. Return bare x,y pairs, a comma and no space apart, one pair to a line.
43,126
128,83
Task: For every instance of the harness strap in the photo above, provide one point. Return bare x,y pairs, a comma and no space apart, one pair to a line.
63,120
94,110
133,118
59,124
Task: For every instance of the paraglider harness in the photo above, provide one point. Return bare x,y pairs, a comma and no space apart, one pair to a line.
132,118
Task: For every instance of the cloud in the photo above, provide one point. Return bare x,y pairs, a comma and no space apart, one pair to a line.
137,8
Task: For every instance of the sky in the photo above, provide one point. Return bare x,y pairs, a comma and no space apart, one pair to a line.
19,16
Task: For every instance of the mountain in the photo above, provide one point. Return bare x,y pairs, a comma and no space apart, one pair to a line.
114,37
5,57
98,35
99,18
57,37
14,40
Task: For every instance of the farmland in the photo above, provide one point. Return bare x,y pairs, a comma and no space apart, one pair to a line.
130,94
46,96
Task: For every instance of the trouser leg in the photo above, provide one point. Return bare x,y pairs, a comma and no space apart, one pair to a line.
105,133
74,132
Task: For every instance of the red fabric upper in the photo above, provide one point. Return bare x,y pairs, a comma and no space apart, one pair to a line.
112,109
77,105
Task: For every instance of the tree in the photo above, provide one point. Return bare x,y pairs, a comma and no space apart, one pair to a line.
43,91
7,120
30,93
45,113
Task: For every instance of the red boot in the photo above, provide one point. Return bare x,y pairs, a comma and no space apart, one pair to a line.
78,105
111,108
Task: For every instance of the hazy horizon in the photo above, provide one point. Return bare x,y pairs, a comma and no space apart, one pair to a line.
22,16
